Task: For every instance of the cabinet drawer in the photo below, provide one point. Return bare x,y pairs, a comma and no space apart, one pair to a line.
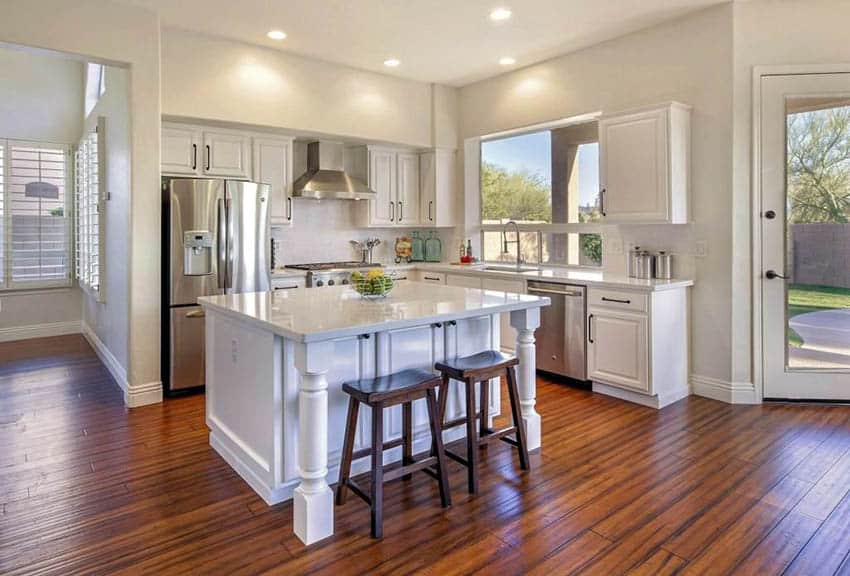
617,300
462,280
433,277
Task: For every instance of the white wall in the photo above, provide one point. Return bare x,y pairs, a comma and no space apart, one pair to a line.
214,79
116,33
41,98
769,33
689,60
109,319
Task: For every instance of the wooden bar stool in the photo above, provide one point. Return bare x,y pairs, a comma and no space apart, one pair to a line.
470,370
380,393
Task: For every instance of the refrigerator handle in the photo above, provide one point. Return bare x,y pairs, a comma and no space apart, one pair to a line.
228,205
221,244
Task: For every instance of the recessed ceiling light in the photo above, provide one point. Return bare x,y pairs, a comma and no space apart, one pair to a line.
276,34
500,14
392,62
507,61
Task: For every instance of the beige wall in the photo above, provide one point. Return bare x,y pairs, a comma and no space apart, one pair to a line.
769,33
41,98
214,79
689,60
119,34
109,319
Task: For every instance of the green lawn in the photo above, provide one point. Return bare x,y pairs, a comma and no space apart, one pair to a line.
804,298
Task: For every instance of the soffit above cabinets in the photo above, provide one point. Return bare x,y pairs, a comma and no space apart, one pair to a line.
441,41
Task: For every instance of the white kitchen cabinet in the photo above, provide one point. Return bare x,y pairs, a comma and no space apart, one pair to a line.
463,280
407,192
189,150
507,332
382,179
273,166
637,344
180,150
227,154
437,190
644,158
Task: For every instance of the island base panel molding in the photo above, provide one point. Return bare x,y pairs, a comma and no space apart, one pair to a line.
526,322
313,499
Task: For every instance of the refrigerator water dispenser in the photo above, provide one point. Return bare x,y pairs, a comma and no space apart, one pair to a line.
197,252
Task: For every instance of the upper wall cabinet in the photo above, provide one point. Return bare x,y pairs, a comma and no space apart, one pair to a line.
394,176
273,166
437,177
644,158
195,151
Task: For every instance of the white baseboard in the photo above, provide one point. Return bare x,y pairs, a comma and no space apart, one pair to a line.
724,391
39,330
119,373
658,401
143,394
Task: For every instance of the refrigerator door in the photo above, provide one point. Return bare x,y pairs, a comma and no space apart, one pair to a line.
187,348
248,248
195,209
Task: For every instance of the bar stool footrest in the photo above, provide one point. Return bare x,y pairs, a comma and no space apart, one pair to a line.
497,435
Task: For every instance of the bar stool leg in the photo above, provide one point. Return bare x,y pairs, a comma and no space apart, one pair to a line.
471,438
513,391
437,442
484,398
407,436
377,490
347,451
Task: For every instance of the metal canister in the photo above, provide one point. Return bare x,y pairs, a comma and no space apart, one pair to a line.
646,265
634,262
664,266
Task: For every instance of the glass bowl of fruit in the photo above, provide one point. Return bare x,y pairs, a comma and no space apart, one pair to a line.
373,284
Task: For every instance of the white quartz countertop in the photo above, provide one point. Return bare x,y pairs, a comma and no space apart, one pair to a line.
311,315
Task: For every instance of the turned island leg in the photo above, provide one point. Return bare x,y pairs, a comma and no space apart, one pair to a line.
526,322
313,498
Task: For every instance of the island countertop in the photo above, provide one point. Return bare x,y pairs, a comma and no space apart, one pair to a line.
308,315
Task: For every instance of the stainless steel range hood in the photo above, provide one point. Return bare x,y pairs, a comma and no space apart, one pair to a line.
326,177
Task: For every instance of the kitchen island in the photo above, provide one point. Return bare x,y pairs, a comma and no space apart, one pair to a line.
275,363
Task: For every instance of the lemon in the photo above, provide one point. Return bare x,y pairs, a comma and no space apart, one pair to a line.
374,274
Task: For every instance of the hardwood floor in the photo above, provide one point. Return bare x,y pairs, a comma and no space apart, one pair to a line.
700,487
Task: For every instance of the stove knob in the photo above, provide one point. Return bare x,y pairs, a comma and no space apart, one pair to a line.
345,281
331,282
320,283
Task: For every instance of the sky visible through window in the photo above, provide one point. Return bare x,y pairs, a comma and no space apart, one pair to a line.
533,152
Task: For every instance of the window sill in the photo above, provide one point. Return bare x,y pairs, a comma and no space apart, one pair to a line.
34,291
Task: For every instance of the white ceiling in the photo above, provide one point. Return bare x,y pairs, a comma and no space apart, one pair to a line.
445,41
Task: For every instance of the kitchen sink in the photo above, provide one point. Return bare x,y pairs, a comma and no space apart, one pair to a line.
497,268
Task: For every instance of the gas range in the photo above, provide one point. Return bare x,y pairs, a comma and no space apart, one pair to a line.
330,273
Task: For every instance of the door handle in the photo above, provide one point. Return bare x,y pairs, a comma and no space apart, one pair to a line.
400,211
617,300
196,314
772,275
209,154
430,205
289,208
392,211
221,245
556,292
194,156
602,201
590,328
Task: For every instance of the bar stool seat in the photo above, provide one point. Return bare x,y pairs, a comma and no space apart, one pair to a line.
380,393
470,370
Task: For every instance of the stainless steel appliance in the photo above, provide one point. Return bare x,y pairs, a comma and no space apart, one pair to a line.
561,338
326,176
215,241
330,273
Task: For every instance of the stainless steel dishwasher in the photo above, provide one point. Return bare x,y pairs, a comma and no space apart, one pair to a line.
561,338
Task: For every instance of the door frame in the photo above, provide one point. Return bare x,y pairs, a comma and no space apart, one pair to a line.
760,72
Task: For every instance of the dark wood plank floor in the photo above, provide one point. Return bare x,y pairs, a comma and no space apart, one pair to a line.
698,488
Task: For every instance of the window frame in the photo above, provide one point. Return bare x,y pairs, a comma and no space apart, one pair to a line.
98,192
8,284
542,228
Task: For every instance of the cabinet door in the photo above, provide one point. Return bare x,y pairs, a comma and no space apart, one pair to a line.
407,196
427,189
633,167
181,152
273,166
462,280
617,350
382,179
227,154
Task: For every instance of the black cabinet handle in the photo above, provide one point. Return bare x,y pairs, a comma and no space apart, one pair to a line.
430,205
602,201
590,328
392,212
194,156
289,208
209,154
431,278
400,211
604,299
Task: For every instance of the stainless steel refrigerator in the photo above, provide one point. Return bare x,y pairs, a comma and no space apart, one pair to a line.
215,241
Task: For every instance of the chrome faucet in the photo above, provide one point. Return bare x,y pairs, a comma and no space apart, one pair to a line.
505,242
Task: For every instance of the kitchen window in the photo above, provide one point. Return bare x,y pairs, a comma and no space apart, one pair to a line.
35,225
89,211
548,182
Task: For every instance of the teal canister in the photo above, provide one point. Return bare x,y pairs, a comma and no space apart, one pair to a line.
417,248
433,248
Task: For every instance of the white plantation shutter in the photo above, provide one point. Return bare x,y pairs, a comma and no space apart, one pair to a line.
35,215
89,211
